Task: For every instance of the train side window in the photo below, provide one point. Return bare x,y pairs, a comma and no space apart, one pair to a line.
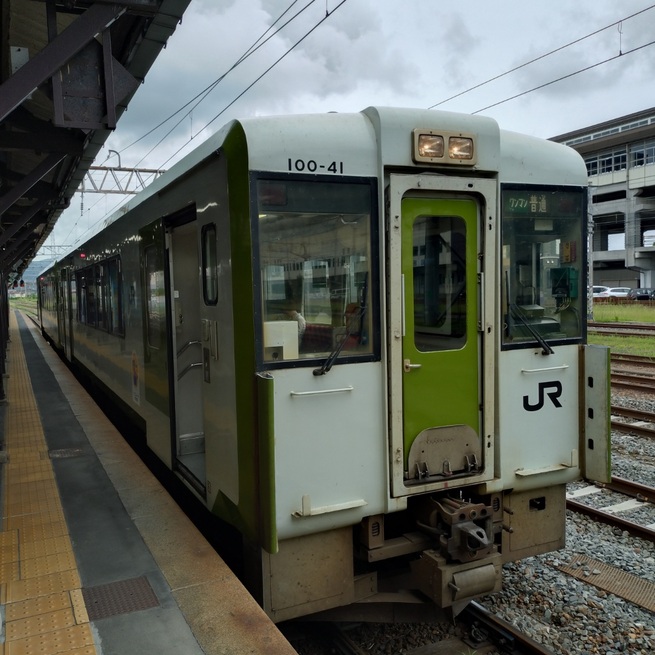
439,256
155,298
114,297
82,307
101,314
209,265
73,283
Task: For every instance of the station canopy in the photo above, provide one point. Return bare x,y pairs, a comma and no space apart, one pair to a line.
68,70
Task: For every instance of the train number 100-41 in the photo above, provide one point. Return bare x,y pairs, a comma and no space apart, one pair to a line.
311,166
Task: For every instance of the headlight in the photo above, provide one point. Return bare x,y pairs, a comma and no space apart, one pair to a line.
432,147
460,147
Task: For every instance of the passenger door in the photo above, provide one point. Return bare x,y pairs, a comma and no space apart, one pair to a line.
62,312
438,332
217,336
440,342
186,348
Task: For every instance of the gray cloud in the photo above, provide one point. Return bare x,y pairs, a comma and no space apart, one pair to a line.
410,53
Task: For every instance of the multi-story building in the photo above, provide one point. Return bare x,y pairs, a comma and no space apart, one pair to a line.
620,158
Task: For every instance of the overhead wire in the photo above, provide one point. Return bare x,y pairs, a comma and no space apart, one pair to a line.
564,77
547,54
275,63
256,45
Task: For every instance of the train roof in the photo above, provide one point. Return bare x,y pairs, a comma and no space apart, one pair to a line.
378,137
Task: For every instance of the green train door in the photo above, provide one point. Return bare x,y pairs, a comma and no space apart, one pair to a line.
441,390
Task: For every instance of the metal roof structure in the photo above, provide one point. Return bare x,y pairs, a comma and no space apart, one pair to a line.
68,69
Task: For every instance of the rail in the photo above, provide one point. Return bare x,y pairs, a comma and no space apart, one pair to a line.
508,637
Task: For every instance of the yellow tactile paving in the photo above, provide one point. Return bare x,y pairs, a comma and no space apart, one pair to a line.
9,571
40,605
39,584
50,546
54,642
40,624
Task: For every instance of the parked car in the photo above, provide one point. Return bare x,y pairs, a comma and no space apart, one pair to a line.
598,291
618,292
641,294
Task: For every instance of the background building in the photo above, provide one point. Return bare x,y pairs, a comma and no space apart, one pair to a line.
620,158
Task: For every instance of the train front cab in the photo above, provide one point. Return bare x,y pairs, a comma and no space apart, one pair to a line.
493,401
442,231
412,415
514,404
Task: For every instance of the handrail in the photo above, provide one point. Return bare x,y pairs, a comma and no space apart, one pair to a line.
188,368
320,391
547,368
187,345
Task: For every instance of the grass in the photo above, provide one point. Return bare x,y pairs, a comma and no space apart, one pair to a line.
624,313
26,302
642,346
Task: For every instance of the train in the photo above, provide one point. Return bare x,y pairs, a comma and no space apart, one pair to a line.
360,340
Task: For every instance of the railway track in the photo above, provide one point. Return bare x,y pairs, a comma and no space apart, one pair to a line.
618,498
506,637
637,496
633,382
636,361
481,631
623,329
644,424
633,373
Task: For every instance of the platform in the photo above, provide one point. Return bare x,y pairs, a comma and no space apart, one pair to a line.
95,556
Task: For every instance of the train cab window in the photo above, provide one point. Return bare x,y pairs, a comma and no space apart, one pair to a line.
439,267
543,265
209,265
316,270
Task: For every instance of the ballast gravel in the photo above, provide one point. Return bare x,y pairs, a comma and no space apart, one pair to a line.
567,615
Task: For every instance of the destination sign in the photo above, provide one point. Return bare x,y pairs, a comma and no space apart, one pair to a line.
541,203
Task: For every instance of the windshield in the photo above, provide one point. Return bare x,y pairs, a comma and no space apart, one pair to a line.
315,269
543,264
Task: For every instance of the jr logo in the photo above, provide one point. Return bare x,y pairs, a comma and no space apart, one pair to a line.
553,395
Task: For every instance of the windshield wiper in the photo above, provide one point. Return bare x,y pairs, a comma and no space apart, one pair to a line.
353,321
545,346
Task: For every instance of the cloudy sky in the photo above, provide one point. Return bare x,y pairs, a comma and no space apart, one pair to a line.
471,57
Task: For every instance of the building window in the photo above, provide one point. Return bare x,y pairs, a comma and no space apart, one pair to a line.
642,153
620,160
607,162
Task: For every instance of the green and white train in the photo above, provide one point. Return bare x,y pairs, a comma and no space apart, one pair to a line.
361,340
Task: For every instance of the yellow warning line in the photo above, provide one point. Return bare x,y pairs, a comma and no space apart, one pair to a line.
39,584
